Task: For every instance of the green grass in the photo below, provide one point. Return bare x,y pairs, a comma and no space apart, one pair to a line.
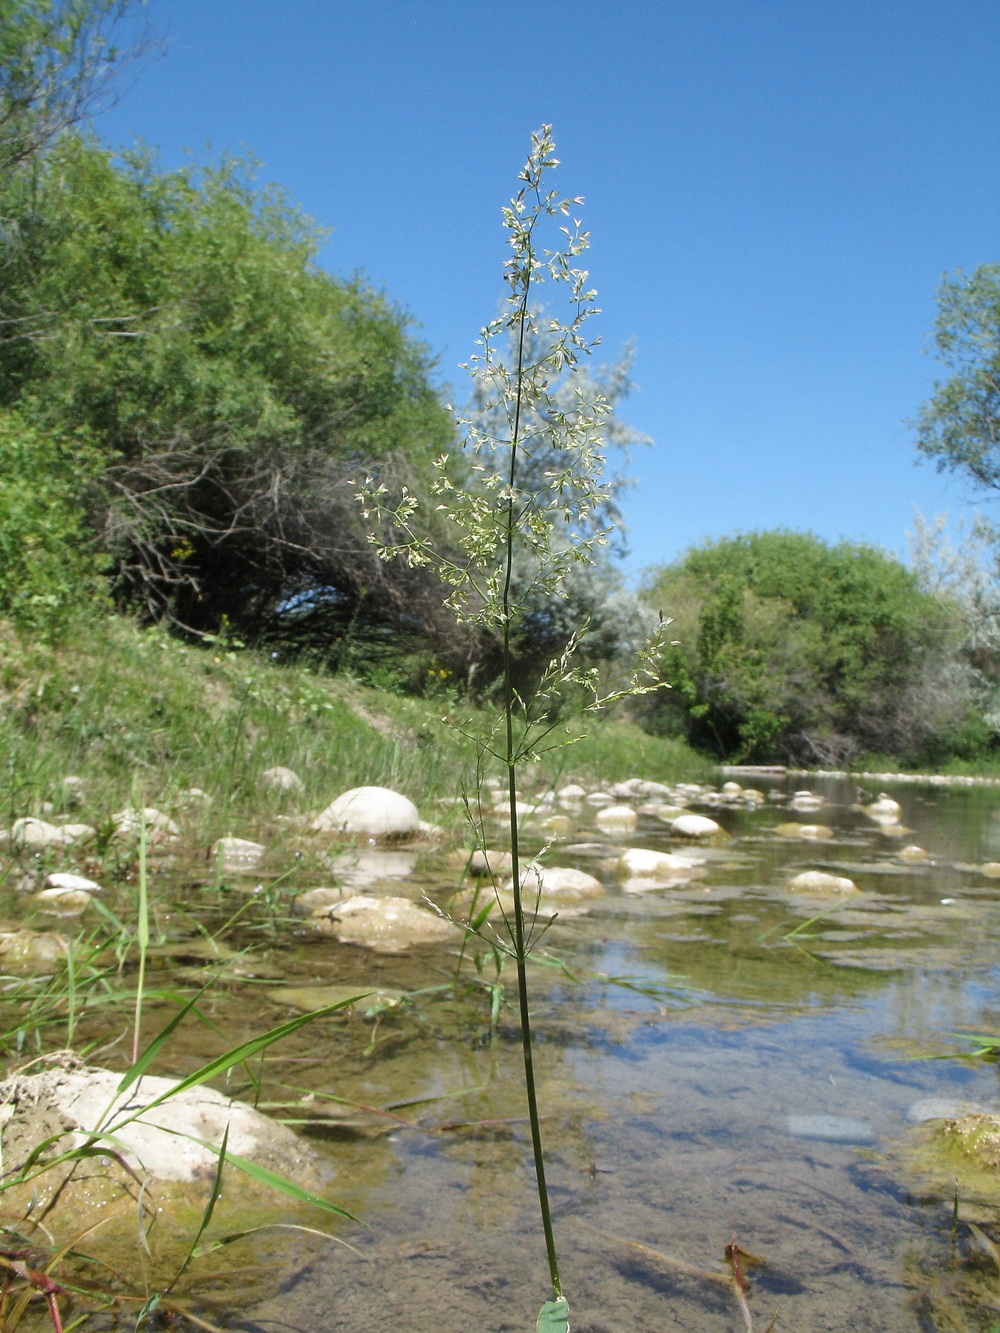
129,710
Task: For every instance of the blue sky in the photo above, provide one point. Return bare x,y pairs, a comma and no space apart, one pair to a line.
774,189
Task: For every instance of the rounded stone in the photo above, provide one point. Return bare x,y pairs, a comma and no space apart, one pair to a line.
376,812
818,881
616,819
695,826
386,925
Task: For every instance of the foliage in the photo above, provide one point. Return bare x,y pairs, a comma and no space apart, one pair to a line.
787,648
58,65
235,387
960,426
48,563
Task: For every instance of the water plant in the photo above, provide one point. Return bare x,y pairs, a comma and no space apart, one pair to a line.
528,509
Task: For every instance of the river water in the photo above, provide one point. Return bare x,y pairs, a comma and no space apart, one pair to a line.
765,1089
729,1059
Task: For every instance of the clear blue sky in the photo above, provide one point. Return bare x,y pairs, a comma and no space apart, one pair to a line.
774,189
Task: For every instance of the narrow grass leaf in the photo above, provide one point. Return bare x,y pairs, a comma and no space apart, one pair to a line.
282,1183
139,1067
206,1216
237,1055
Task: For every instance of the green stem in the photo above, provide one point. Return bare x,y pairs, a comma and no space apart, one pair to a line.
520,949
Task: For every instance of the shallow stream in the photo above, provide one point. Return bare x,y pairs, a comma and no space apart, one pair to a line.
755,1071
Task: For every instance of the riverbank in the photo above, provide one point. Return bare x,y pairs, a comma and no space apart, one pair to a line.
114,710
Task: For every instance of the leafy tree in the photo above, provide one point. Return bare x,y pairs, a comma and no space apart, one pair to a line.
587,603
236,388
58,65
787,648
960,426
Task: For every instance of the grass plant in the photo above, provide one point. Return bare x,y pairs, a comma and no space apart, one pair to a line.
505,523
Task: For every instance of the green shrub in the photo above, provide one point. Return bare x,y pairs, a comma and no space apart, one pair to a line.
49,566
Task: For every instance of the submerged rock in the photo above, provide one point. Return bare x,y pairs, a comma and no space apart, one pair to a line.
976,1136
72,1100
806,801
811,832
830,1128
942,1108
884,811
387,925
31,950
371,999
550,890
818,881
374,811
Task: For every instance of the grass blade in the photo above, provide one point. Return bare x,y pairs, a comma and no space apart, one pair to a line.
238,1055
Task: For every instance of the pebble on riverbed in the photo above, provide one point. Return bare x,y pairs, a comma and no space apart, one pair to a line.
818,881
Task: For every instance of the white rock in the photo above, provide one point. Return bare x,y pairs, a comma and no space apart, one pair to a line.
616,819
280,779
387,925
571,795
642,863
489,862
70,883
598,799
805,801
818,881
159,827
623,791
731,789
30,832
237,854
694,826
77,832
80,1096
556,882
374,811
884,810
912,853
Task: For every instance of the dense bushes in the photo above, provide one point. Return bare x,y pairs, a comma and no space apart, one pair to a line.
788,648
233,387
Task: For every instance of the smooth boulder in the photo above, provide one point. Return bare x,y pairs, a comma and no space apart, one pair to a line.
695,826
376,812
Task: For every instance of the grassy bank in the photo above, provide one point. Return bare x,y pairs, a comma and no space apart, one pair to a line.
126,709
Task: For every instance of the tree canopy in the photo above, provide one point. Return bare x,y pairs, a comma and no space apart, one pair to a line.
233,388
789,648
959,426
